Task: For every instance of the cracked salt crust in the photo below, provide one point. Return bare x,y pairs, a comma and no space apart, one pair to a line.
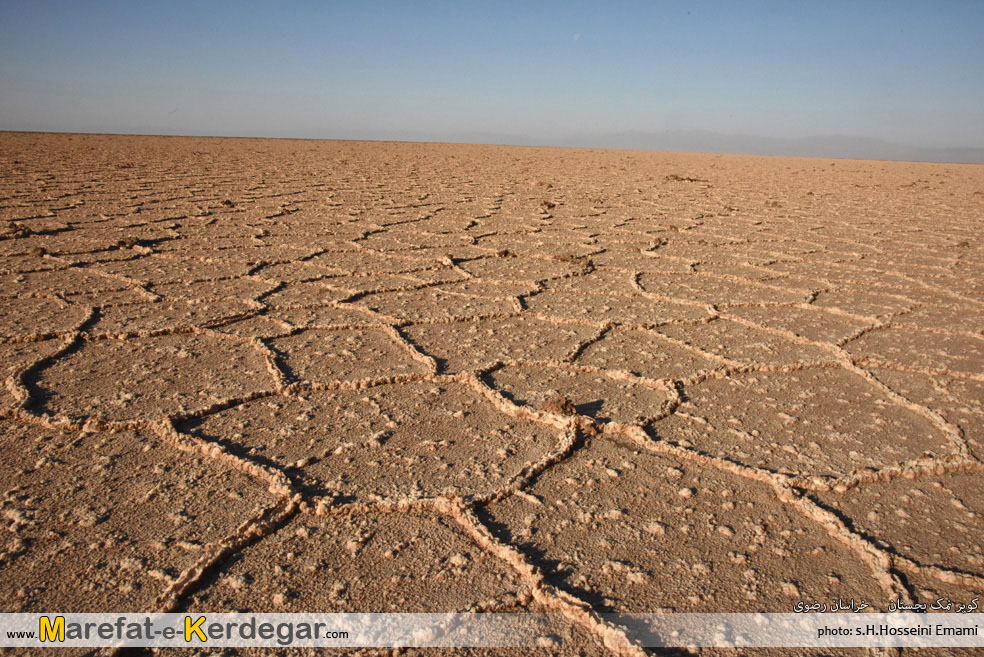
506,371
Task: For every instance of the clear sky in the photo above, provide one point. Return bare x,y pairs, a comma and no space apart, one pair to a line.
908,72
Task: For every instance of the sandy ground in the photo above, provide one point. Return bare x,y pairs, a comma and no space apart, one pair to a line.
336,376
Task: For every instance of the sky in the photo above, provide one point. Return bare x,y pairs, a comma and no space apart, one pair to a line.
551,72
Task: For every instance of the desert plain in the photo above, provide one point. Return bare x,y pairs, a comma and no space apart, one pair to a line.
323,376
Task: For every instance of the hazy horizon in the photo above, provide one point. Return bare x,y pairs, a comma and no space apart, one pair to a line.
896,78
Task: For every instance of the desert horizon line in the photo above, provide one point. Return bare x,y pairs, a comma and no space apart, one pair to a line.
810,147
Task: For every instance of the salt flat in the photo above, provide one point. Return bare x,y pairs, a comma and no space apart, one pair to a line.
275,375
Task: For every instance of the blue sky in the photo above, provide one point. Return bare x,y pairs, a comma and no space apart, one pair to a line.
908,72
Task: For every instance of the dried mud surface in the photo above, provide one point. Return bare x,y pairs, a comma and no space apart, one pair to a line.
337,376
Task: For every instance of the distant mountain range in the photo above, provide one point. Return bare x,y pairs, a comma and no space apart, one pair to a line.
703,141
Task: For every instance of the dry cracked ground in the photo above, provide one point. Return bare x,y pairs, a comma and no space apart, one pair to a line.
334,376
